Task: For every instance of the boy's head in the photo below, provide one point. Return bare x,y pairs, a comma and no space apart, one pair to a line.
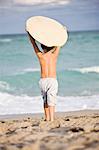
46,49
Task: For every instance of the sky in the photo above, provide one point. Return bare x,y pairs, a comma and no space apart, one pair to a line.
76,15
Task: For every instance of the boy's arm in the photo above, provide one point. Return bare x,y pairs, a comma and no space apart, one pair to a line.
56,51
36,49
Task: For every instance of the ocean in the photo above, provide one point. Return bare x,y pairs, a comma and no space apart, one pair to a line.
77,74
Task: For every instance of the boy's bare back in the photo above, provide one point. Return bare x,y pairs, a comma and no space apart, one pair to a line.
48,65
47,60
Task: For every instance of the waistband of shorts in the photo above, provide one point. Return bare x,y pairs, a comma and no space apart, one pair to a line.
48,78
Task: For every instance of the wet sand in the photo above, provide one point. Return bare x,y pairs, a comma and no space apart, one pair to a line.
70,131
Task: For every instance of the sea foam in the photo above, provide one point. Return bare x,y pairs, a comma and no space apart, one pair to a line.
31,70
93,69
14,104
6,40
26,70
4,85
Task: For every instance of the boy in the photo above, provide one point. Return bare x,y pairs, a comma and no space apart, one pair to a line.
48,82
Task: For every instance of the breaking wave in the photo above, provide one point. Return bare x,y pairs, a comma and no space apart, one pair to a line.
94,69
22,104
7,40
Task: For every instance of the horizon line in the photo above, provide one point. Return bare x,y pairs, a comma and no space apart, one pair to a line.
71,31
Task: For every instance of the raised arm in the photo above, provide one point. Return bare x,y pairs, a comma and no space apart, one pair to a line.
56,51
36,49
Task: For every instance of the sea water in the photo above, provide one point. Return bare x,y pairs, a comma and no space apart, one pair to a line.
77,74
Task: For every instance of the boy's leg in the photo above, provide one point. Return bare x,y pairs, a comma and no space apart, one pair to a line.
52,112
46,111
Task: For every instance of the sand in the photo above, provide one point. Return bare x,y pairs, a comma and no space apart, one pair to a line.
70,131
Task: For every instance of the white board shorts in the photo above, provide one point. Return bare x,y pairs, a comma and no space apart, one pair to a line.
49,89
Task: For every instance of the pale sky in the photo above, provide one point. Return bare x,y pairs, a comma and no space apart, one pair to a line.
75,14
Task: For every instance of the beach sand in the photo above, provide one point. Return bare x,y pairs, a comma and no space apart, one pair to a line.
70,131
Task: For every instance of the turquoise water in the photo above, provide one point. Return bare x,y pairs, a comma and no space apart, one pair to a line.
77,71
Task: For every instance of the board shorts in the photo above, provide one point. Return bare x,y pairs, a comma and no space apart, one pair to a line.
49,89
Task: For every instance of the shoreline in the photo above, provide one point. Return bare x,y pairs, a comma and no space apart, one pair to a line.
87,112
